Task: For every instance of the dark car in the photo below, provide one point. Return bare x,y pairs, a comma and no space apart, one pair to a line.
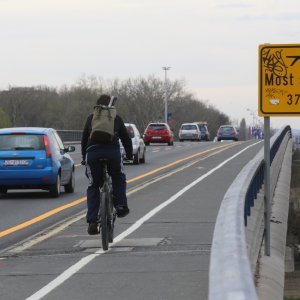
158,133
227,132
35,158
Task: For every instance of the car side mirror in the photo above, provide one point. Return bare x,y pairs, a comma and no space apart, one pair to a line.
70,149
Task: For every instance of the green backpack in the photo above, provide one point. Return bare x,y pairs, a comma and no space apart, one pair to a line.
103,123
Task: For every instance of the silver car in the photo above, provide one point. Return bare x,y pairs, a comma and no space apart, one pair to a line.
189,131
138,145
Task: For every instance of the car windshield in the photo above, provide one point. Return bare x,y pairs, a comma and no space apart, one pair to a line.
189,127
203,129
157,127
21,142
130,131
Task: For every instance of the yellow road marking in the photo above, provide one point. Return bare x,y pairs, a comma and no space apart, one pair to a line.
78,201
41,217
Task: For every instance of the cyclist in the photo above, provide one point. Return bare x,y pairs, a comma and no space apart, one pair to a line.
91,152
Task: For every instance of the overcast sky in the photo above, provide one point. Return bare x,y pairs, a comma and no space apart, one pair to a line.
211,44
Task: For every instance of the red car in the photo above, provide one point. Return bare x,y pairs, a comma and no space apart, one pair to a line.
158,133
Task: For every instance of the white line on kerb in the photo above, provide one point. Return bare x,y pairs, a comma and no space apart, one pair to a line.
85,260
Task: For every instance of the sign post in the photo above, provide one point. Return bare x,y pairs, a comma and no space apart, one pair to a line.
279,95
267,186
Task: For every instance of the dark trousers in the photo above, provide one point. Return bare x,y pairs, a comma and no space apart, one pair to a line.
94,174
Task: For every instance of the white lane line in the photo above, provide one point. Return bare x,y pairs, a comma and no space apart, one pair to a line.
85,260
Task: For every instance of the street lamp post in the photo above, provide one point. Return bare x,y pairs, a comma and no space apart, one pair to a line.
253,115
166,94
251,128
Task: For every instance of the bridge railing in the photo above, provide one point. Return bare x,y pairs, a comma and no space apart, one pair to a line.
238,231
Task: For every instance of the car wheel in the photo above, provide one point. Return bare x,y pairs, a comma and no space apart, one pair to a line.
180,140
171,143
3,190
143,159
70,187
136,159
147,143
55,188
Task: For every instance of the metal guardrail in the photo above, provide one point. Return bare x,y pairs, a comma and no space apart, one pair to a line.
258,178
230,273
70,135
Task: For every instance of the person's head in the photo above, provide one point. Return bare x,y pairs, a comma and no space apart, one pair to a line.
103,100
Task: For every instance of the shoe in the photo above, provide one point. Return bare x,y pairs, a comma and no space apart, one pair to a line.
122,211
93,228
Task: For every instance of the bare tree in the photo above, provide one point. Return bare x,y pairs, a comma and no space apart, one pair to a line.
4,119
141,100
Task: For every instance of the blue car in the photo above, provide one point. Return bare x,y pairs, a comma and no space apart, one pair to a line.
227,132
35,158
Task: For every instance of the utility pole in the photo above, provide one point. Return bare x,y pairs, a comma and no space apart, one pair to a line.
166,95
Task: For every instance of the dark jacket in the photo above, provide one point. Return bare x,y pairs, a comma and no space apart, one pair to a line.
120,132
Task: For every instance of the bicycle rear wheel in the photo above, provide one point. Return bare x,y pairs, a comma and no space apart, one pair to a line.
104,220
111,218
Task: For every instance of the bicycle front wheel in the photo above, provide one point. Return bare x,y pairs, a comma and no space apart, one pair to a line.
104,220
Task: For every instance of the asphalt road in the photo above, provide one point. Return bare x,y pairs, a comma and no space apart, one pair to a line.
161,248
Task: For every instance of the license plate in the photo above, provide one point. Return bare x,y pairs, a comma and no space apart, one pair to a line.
157,137
16,162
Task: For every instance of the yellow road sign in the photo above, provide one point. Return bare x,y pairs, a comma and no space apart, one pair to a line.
279,80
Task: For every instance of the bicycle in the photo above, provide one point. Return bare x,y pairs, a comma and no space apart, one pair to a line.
107,212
